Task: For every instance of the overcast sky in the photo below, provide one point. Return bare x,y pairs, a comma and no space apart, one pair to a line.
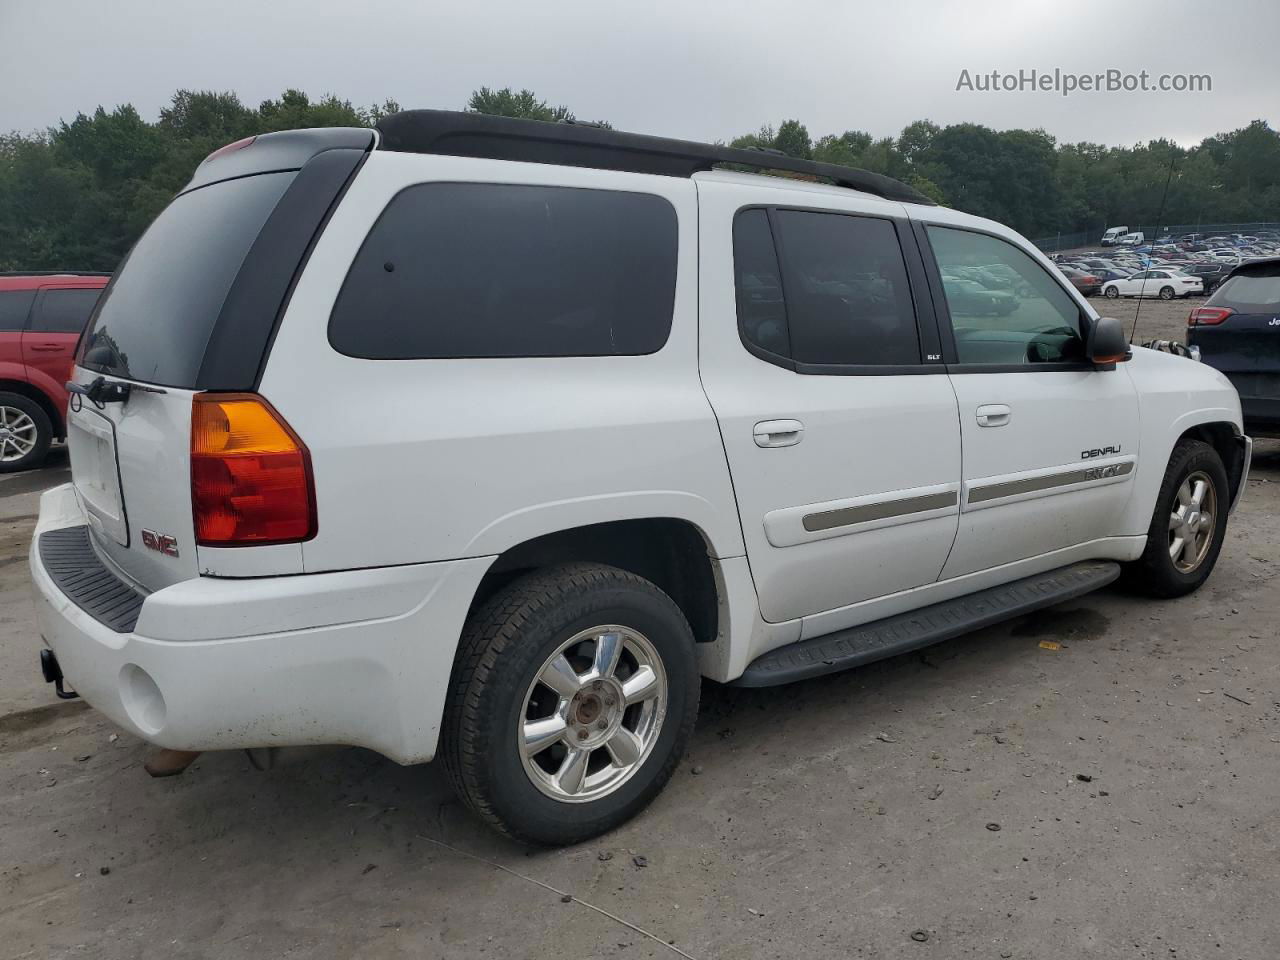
698,70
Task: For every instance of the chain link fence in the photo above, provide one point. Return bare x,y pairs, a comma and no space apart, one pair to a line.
1093,238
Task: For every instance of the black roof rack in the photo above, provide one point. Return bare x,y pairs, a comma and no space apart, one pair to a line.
582,145
54,273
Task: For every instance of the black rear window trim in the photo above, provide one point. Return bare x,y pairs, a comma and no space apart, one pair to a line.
675,279
927,336
250,356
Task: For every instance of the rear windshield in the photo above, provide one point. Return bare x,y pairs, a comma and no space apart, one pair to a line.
156,317
1249,293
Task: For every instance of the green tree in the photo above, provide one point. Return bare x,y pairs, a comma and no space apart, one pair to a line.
508,103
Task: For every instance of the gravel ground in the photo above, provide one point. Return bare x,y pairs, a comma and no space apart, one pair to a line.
1156,319
1096,780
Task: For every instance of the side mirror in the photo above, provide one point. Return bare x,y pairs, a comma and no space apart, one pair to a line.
1106,342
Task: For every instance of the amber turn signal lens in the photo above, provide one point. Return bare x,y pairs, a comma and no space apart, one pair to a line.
251,481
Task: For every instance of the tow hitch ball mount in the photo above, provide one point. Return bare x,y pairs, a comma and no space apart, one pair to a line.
53,674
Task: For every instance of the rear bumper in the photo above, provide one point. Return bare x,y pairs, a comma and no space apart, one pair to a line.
360,657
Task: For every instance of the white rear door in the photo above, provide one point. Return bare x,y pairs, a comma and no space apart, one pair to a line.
841,436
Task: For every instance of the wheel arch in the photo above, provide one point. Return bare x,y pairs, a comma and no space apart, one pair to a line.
1225,439
36,395
672,553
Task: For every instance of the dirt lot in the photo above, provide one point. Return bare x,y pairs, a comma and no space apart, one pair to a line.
994,797
1156,319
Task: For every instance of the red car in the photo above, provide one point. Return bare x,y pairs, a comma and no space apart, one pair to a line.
41,317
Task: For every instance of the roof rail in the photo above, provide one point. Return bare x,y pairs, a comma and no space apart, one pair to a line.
580,145
54,273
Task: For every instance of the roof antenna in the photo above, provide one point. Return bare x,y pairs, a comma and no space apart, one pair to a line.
1173,158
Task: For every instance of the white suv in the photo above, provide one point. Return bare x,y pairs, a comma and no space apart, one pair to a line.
491,438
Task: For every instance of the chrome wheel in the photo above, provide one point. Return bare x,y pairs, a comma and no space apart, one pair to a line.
592,714
1192,522
18,434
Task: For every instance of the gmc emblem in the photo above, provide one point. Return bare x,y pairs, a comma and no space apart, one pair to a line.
160,543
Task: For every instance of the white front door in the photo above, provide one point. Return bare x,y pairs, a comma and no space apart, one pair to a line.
1050,441
840,433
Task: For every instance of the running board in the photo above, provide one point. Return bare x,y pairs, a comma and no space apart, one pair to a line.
928,625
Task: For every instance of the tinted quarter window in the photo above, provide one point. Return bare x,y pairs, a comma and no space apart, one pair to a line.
157,315
14,306
848,299
762,315
64,311
1031,319
497,270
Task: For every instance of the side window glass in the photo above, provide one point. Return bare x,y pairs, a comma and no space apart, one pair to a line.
465,270
14,306
847,296
1031,319
762,315
64,311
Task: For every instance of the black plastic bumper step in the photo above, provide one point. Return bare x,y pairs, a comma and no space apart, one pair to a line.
69,558
928,625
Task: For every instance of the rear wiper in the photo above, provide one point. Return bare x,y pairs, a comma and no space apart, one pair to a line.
102,391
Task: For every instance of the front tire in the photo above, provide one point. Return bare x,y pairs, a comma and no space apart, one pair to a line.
574,693
1111,293
1189,523
25,433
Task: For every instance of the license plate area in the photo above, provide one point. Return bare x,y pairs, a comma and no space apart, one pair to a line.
95,471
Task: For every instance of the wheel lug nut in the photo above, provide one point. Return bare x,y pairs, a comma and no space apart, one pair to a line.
602,725
608,701
582,734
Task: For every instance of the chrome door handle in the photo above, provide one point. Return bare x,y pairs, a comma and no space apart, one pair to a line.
778,433
994,415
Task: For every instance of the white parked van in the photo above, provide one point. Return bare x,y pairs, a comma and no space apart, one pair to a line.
1112,235
489,439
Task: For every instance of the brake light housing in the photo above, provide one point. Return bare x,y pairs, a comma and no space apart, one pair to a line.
1208,316
251,479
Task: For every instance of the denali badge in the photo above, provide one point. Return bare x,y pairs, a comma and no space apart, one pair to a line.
160,542
1099,452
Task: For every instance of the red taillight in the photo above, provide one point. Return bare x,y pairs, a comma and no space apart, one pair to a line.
250,474
1208,316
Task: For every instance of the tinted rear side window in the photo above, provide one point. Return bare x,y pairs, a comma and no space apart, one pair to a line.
1249,293
64,311
157,315
456,270
762,314
14,306
848,299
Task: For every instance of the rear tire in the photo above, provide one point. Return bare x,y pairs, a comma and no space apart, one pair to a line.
542,737
25,433
1166,293
1180,555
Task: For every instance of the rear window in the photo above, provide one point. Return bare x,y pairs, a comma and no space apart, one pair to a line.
157,315
454,270
1249,293
64,311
